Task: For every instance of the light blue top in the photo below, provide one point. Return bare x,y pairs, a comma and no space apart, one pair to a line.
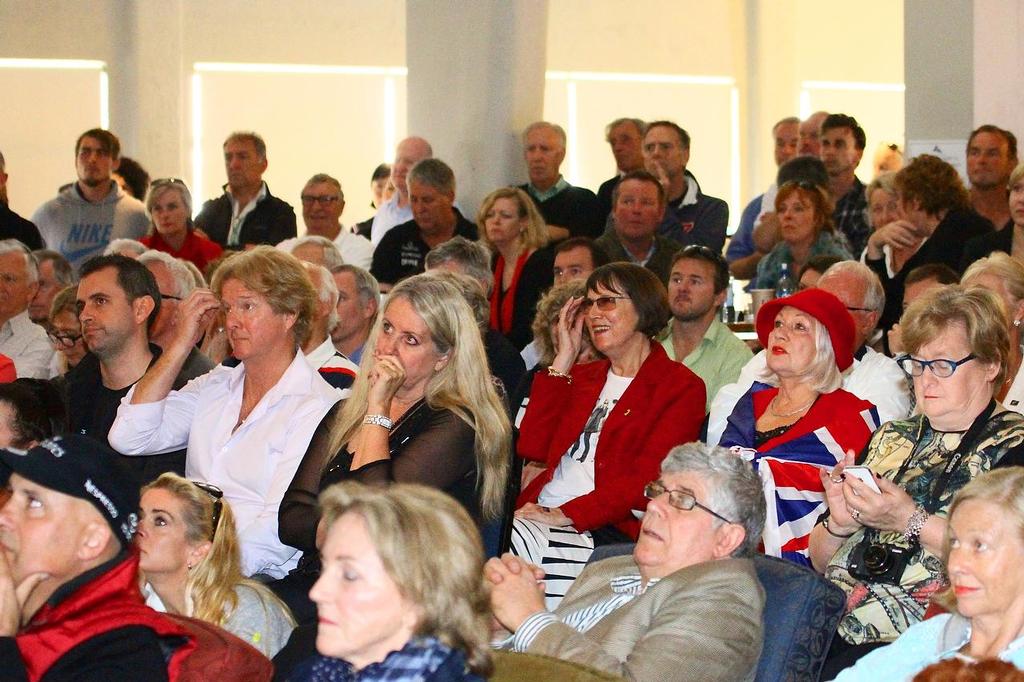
921,645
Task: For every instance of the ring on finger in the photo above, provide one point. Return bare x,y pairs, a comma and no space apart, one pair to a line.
836,479
855,514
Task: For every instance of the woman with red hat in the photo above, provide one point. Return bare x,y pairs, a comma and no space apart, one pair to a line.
797,421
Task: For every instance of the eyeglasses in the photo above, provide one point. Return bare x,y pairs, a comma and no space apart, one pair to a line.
216,493
680,499
323,199
63,339
859,310
603,303
940,367
168,297
701,250
802,184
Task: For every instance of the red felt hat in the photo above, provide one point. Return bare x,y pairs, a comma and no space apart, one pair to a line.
822,306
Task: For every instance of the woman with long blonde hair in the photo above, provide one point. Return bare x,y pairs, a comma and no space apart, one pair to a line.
423,410
190,558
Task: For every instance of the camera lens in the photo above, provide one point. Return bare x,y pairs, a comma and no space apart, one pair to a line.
877,559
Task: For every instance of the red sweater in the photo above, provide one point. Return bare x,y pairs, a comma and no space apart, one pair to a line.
663,407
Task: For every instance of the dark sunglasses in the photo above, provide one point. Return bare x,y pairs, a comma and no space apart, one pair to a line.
216,493
603,303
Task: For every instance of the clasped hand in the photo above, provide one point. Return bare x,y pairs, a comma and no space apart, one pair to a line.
852,503
517,590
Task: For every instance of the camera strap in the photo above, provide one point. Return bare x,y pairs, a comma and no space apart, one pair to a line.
952,464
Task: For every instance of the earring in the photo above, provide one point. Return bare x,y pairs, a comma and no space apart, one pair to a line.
1016,323
188,566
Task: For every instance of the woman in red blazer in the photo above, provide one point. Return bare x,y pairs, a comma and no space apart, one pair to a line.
602,428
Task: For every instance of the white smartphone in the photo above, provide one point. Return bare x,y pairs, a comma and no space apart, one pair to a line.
864,474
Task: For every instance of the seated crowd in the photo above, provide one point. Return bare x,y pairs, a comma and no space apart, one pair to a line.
447,445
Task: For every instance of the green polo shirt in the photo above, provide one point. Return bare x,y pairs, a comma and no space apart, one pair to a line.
717,360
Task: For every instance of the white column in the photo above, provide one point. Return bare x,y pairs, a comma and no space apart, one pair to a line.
476,79
999,65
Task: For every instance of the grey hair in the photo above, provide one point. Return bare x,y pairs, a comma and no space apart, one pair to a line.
791,120
332,256
15,246
874,294
734,488
324,178
197,277
639,124
471,291
3,163
119,245
473,259
62,270
433,173
545,125
367,285
821,374
326,290
184,282
163,187
885,182
249,136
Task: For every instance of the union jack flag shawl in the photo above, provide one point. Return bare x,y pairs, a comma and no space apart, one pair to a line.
789,464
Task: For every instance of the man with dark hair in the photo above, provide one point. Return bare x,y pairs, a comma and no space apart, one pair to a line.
72,609
118,300
12,225
568,211
842,146
246,214
626,138
576,258
695,336
55,274
84,218
691,217
402,251
991,157
639,206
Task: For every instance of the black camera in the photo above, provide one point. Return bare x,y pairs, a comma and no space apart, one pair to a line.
876,562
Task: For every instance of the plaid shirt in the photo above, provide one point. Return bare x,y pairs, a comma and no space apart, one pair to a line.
851,218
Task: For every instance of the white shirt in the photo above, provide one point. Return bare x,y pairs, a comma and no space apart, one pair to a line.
575,473
240,213
27,345
355,249
875,378
388,215
252,465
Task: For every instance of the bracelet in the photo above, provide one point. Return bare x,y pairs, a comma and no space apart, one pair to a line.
824,524
552,372
378,420
915,523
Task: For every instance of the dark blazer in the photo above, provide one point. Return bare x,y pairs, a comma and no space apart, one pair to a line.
984,245
270,222
663,407
702,622
946,245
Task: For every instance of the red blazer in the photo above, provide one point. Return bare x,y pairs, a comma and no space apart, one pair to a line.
663,407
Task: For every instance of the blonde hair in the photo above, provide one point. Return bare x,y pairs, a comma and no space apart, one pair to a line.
463,385
431,549
1008,269
980,312
278,277
210,591
535,234
548,309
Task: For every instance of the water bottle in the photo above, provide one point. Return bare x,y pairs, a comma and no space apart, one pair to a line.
786,285
729,309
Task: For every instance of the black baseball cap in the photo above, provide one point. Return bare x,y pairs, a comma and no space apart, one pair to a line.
84,468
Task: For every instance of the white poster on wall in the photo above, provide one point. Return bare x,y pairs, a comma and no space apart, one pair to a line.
953,152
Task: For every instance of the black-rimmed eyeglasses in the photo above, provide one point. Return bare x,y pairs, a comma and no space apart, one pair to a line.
681,499
63,339
940,367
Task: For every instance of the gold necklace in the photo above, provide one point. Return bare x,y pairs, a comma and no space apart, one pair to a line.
771,407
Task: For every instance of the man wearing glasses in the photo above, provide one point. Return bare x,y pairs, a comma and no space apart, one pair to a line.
685,606
246,214
322,205
118,302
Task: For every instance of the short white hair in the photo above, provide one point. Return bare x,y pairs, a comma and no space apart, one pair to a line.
184,282
332,256
326,290
31,264
119,245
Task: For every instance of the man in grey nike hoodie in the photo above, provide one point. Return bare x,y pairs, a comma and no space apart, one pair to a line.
89,214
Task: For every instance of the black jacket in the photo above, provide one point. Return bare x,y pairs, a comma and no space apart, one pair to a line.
272,221
984,245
